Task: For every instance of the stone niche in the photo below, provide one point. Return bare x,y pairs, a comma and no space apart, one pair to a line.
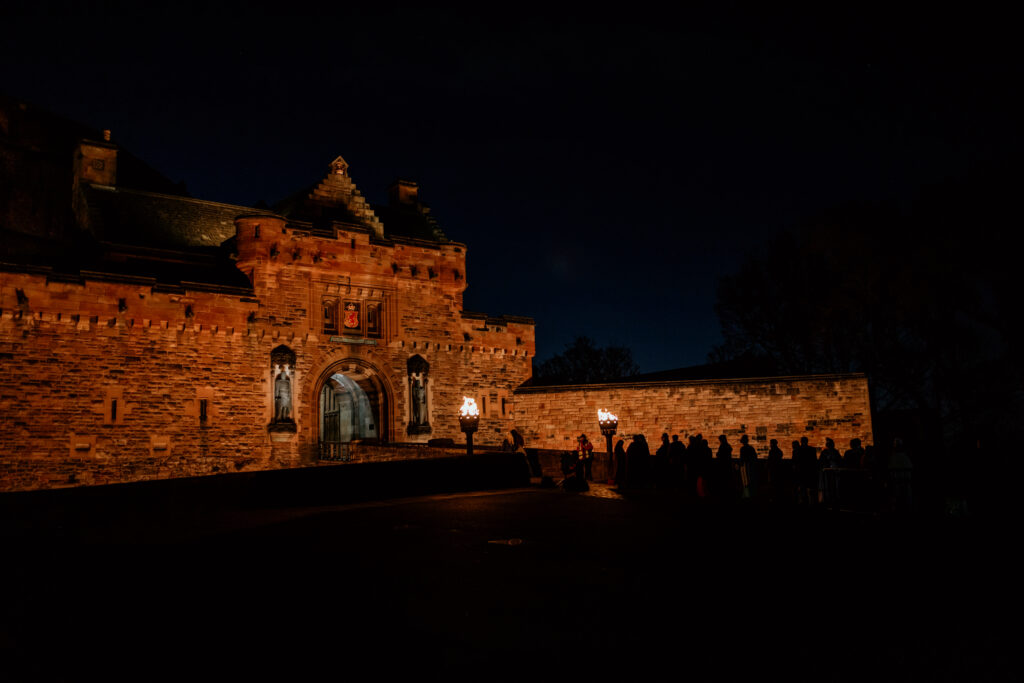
419,395
282,387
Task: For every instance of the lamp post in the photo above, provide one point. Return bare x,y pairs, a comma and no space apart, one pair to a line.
469,420
608,423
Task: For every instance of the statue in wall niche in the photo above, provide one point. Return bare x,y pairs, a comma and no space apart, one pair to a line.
419,401
419,411
282,394
282,372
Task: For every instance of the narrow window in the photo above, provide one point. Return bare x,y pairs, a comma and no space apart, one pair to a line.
256,231
203,408
503,412
113,410
374,328
330,316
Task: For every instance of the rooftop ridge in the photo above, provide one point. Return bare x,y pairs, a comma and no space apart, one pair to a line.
247,210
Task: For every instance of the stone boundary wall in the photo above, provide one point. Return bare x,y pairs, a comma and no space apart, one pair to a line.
783,408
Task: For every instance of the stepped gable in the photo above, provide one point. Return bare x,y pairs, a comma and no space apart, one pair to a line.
335,199
407,216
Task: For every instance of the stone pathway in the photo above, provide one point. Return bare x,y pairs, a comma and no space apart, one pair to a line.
598,489
602,490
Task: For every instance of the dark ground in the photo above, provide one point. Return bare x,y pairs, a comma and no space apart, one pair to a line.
641,588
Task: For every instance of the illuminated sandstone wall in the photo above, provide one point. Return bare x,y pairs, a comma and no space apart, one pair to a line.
421,285
68,354
786,409
70,351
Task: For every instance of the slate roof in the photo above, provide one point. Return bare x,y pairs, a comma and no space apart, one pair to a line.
407,220
82,257
150,219
147,227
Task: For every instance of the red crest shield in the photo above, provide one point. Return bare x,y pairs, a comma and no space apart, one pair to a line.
351,316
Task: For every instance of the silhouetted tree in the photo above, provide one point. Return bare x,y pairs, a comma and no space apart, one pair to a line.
921,299
583,362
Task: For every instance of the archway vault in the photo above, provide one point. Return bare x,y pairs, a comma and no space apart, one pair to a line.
353,400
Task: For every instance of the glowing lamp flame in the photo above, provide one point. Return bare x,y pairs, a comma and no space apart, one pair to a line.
605,416
469,408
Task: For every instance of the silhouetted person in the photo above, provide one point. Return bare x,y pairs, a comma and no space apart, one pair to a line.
519,446
776,471
830,455
660,463
854,455
620,464
572,468
724,449
805,463
705,467
638,457
748,467
586,452
691,466
721,487
663,448
676,460
644,452
828,463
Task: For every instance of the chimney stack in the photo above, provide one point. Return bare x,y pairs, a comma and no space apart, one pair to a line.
96,162
403,192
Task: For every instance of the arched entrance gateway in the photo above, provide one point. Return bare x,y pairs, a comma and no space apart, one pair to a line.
352,405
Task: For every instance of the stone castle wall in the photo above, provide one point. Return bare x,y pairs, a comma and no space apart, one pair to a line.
783,408
102,378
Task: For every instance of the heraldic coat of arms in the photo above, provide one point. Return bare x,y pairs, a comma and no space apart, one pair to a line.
352,316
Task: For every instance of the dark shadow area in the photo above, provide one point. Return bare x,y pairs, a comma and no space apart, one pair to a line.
157,511
526,584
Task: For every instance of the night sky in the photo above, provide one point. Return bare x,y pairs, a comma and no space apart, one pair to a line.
604,169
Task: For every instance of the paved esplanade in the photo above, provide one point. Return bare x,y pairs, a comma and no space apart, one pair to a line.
521,584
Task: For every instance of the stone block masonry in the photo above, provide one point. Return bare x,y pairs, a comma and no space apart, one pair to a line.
194,338
191,337
783,408
106,381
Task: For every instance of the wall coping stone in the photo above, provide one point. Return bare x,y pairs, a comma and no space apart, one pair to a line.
626,384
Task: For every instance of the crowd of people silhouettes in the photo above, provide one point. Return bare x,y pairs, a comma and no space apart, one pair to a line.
811,476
